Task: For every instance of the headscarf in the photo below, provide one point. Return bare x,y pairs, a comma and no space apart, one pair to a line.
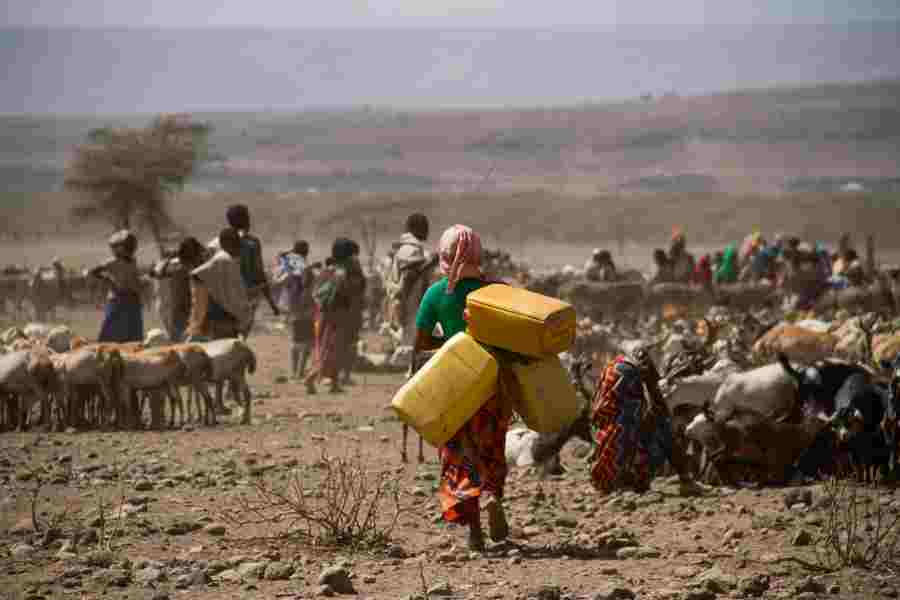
727,271
460,255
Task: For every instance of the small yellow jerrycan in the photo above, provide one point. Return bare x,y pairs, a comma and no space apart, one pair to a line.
448,390
547,401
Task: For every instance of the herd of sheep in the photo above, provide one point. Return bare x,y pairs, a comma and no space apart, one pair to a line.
58,378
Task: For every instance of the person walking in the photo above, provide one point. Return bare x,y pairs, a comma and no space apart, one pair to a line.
473,462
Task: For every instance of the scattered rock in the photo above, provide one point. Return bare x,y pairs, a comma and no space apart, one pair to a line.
230,576
732,534
149,576
809,585
547,592
614,593
714,580
252,570
337,579
637,552
277,571
143,485
441,589
216,529
801,538
324,591
796,496
686,572
567,521
753,585
22,551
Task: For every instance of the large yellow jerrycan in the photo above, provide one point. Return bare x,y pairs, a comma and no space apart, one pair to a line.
547,401
520,321
448,390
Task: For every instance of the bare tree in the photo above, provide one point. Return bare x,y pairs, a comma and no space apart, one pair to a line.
125,176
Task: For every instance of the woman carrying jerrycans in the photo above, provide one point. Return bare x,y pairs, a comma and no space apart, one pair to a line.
473,462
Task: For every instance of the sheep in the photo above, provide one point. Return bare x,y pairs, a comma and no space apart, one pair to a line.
154,373
198,370
87,370
27,376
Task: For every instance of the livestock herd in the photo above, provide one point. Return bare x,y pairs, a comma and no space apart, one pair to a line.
79,385
754,389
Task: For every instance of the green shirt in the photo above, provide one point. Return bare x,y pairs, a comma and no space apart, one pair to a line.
438,306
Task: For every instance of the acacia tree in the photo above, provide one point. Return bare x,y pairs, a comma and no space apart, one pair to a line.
125,176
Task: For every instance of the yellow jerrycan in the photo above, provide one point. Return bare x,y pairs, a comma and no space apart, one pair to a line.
520,321
448,390
547,401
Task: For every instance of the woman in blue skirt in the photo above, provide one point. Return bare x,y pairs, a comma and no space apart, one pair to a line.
123,319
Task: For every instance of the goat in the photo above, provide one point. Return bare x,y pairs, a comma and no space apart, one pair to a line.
418,361
232,359
797,343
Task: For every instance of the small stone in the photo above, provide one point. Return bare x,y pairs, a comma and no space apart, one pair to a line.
753,585
160,595
338,579
252,570
324,591
277,571
834,589
446,557
686,572
801,538
809,585
369,579
567,521
441,589
230,576
22,551
798,496
149,576
714,580
613,593
216,529
732,534
143,485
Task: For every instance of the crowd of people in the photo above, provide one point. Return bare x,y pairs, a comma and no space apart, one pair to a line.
755,260
215,290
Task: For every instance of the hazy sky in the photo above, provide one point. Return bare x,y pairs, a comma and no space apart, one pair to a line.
444,13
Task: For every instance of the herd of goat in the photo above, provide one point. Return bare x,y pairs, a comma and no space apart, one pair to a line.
115,385
776,409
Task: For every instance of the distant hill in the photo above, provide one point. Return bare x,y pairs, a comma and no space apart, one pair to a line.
816,138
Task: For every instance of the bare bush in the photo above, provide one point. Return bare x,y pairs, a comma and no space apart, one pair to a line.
859,530
335,501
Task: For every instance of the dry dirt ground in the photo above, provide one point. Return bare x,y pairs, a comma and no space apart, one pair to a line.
566,541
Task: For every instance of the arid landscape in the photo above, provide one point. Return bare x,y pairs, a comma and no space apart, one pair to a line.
311,498
160,514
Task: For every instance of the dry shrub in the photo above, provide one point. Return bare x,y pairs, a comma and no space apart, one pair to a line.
336,501
859,531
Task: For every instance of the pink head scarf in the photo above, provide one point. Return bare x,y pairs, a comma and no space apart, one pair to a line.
460,255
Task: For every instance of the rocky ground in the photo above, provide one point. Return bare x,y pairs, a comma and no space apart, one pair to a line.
158,515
